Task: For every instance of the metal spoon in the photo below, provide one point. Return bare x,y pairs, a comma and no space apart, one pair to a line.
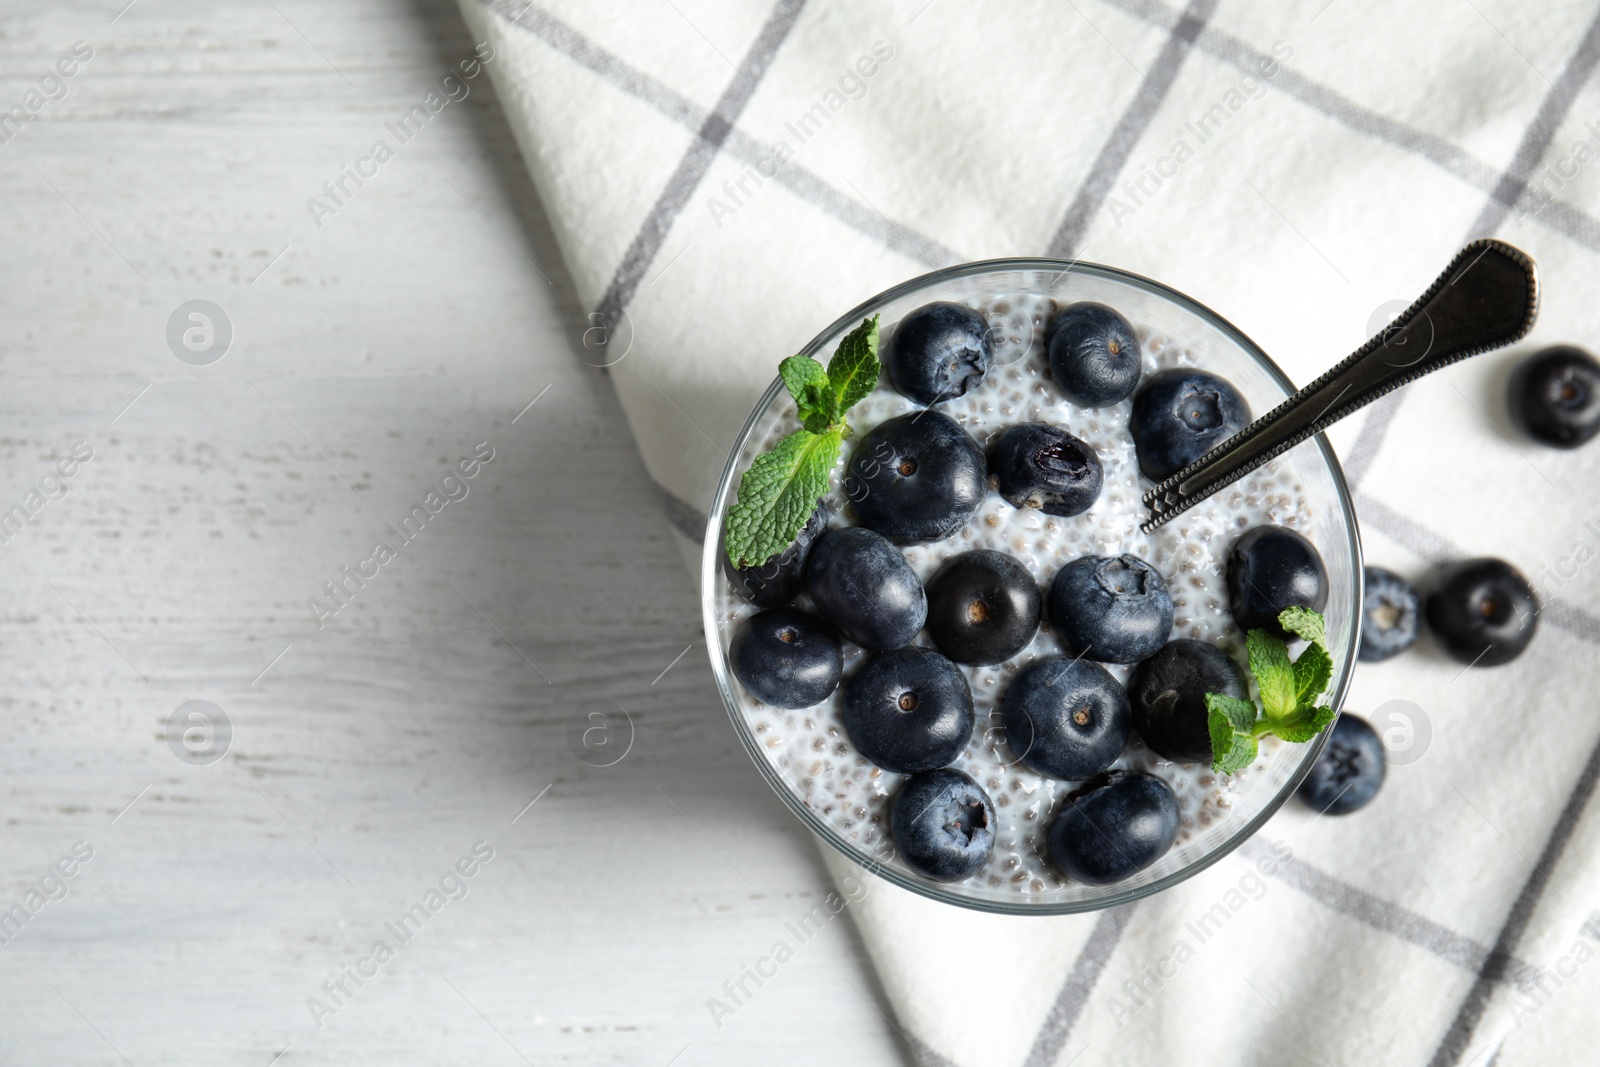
1486,298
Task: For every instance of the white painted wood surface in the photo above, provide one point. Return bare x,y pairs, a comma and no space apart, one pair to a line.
418,321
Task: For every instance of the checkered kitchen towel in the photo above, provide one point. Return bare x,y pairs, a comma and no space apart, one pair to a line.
725,176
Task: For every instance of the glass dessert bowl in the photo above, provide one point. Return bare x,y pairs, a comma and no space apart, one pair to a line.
808,754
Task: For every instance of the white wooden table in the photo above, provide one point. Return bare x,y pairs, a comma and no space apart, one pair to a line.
366,758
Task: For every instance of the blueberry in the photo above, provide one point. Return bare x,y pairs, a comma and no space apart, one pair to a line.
908,710
1350,770
1391,613
1094,356
864,586
1066,718
1555,396
1179,416
1168,695
983,607
786,658
1484,612
1114,827
938,352
781,578
1271,568
1039,466
1115,609
943,824
916,478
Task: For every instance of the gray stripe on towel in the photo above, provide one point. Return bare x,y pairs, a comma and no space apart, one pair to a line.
1459,1036
1383,915
1513,183
800,181
1130,128
647,89
1080,983
1563,218
697,159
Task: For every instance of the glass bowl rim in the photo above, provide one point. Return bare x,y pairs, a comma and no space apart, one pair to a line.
711,573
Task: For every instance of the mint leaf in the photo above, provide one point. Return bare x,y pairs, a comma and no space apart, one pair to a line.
819,423
1240,714
853,370
1305,624
778,494
1289,692
1304,724
1236,759
1269,662
781,489
1230,722
1312,672
808,383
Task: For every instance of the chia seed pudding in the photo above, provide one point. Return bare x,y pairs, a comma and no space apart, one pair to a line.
809,748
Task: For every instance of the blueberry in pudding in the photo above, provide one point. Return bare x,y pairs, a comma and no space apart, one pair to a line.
915,479
938,352
1114,827
1094,355
788,658
943,824
1066,718
863,585
908,710
1115,609
1181,414
983,607
1271,568
1168,695
1035,465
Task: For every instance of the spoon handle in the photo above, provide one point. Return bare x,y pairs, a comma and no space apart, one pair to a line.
1486,298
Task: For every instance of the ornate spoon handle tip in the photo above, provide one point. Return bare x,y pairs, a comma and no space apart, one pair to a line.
1488,297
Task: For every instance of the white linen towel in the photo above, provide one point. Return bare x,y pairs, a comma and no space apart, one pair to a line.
726,177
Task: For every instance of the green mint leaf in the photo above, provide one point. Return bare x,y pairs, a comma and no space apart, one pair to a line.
1222,735
1304,624
1312,672
778,494
853,370
808,383
1239,757
820,422
1304,724
1289,692
1269,662
781,489
1230,723
1240,714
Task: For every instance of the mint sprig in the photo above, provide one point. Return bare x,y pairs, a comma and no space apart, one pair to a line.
1289,693
813,393
779,492
853,370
